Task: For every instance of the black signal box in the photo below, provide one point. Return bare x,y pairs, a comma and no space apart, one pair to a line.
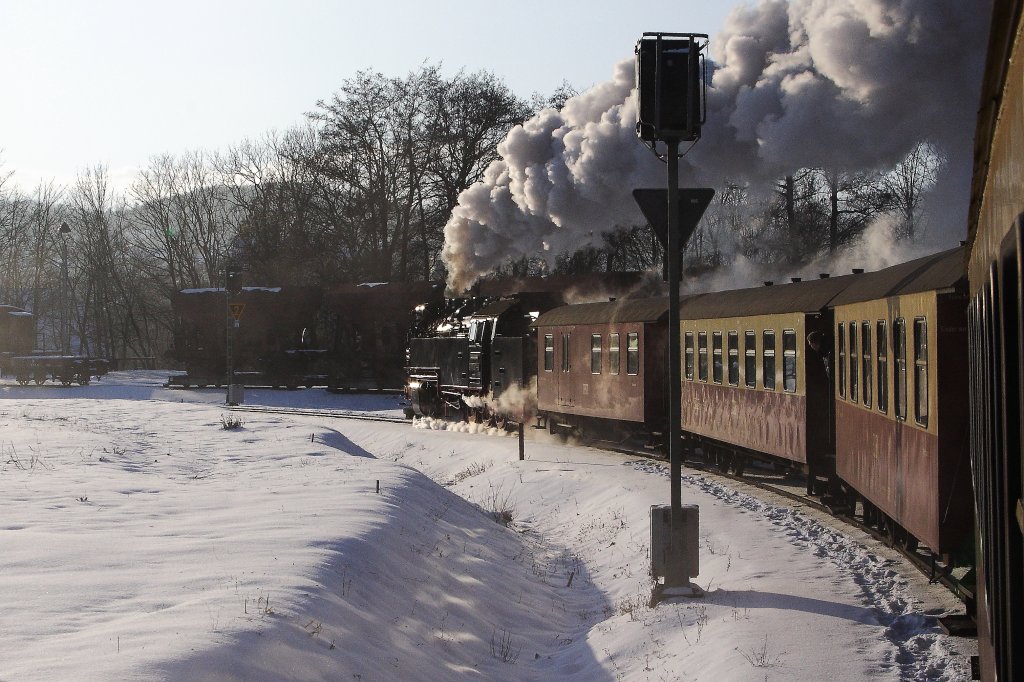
670,88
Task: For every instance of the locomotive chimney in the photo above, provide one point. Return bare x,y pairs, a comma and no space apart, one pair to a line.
858,271
823,275
794,280
768,282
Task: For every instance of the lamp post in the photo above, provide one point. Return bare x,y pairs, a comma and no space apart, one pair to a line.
65,318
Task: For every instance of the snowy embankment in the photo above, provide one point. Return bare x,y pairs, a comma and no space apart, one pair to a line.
142,540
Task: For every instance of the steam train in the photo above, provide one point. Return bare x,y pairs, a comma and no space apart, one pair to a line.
19,357
874,416
925,366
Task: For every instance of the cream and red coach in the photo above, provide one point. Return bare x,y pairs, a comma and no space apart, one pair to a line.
748,389
902,431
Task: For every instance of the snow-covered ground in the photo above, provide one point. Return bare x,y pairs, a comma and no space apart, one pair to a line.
140,539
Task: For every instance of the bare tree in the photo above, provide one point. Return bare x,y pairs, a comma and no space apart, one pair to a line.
906,185
14,211
396,153
43,239
278,233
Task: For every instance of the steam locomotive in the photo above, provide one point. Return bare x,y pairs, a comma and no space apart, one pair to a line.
475,357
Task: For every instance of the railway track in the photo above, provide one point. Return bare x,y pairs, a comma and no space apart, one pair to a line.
311,412
788,487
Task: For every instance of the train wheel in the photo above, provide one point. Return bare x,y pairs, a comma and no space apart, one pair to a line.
851,498
724,460
889,529
739,465
869,513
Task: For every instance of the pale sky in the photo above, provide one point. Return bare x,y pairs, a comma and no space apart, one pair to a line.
119,81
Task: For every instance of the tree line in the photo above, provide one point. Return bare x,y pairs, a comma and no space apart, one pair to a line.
358,191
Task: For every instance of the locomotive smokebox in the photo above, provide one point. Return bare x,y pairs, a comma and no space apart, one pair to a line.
670,95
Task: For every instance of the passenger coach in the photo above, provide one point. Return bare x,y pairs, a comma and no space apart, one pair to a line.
602,365
995,273
748,388
901,418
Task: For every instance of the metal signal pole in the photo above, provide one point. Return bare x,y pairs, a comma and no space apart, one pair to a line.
670,109
675,398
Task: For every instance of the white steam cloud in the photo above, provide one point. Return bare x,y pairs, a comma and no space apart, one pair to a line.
837,84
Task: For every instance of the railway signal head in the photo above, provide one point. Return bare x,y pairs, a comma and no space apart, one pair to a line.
671,84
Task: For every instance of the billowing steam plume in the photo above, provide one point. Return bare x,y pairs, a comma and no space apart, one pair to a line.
837,84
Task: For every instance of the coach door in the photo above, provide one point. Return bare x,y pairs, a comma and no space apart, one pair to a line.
566,394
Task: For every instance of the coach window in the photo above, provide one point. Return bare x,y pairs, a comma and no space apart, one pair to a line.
632,353
549,352
595,353
768,359
921,371
750,358
688,355
841,335
899,353
854,359
734,359
882,364
716,357
702,356
865,360
789,360
613,353
565,352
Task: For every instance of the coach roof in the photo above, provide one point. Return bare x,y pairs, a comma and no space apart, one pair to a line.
943,270
799,297
626,310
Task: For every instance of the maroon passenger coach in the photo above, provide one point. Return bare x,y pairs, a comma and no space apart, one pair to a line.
603,364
